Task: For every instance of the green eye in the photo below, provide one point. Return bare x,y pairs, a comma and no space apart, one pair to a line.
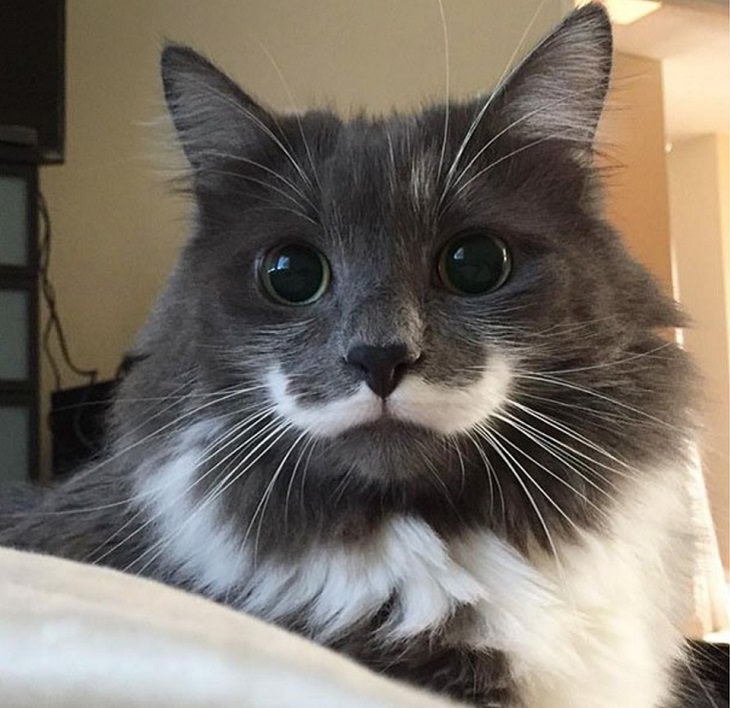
295,274
474,264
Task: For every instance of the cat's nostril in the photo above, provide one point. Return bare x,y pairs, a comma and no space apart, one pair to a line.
382,367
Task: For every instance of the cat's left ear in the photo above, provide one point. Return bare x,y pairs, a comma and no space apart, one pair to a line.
212,115
559,90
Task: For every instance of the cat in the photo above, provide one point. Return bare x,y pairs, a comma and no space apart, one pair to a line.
407,394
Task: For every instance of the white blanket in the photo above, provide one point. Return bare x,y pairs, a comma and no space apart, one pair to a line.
76,636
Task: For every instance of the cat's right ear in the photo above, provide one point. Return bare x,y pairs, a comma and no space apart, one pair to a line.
558,91
213,117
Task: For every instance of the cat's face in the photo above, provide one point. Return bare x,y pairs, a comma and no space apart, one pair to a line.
398,283
369,328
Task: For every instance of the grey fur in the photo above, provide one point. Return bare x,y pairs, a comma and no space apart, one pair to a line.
368,194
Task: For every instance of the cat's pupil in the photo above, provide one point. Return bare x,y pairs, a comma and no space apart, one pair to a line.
474,264
296,274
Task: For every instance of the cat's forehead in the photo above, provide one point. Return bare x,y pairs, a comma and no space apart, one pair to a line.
380,165
383,147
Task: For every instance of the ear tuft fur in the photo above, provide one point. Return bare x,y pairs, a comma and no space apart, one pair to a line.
559,90
211,114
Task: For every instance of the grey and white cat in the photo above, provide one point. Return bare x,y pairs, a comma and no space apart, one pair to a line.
405,394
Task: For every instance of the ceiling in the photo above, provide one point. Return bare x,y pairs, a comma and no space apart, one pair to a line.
692,40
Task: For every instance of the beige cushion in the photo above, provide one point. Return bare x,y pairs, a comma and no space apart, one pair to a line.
79,636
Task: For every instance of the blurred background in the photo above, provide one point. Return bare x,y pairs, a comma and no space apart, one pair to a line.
83,95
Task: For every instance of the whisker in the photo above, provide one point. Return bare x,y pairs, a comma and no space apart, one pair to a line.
553,474
570,432
268,170
447,64
309,442
119,453
542,108
233,434
499,161
268,185
488,102
591,392
256,121
605,364
295,110
266,496
160,545
560,449
492,478
512,465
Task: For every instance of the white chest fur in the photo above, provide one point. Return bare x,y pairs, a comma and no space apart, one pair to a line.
591,630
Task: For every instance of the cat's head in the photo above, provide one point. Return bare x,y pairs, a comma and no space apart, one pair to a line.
393,285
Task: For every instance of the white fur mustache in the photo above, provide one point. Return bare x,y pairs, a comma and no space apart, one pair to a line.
447,410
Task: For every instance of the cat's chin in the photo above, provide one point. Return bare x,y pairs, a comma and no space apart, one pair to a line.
388,427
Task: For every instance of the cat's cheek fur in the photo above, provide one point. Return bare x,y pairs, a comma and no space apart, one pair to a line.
446,410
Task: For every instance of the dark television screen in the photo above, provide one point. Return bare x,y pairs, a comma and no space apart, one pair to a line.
32,70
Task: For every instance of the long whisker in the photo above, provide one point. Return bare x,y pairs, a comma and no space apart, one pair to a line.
120,452
549,499
263,503
592,392
268,185
264,168
492,477
308,444
590,462
139,399
570,432
540,109
303,483
515,424
250,116
160,545
485,106
512,465
447,80
233,435
605,364
269,205
499,161
296,111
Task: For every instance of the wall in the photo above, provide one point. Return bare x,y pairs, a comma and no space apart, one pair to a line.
117,228
698,181
723,174
632,141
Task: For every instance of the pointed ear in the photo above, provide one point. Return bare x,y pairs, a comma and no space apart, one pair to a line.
559,89
212,115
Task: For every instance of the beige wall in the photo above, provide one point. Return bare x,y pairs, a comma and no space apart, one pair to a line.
723,173
116,226
698,180
632,138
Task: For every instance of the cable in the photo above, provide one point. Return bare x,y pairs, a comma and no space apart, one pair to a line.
54,321
54,324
